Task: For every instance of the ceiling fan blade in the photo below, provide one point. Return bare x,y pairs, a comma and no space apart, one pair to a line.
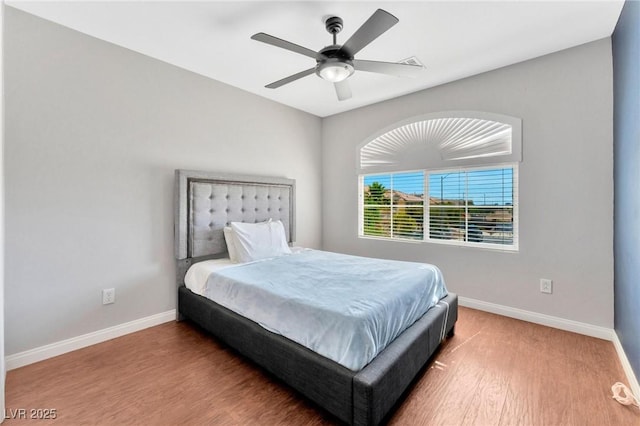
375,26
343,90
391,68
283,44
291,78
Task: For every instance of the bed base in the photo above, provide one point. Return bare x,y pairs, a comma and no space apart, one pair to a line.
365,397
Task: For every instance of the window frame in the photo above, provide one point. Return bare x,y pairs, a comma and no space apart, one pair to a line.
426,237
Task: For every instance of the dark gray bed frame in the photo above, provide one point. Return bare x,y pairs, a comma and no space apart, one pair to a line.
205,203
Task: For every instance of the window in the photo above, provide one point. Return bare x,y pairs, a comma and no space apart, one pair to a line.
447,177
473,206
393,205
465,206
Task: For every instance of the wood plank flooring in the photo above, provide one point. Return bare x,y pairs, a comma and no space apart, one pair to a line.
494,371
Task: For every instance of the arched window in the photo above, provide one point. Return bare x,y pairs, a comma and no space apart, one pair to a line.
448,177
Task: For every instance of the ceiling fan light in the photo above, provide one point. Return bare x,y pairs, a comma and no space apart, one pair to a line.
335,71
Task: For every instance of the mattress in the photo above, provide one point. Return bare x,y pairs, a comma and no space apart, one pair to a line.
345,308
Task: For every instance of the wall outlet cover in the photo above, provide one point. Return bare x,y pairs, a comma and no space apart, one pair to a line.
108,296
546,286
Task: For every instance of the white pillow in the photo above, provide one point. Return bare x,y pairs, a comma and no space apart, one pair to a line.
255,241
229,237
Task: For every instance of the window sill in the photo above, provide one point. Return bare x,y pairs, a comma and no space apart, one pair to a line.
451,243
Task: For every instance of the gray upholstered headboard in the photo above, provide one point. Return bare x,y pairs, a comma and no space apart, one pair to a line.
206,202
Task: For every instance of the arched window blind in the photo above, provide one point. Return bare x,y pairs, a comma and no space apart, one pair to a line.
442,140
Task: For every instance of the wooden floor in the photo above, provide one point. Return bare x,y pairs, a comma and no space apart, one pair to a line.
495,371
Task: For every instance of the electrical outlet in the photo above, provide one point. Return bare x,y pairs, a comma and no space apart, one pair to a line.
546,286
108,296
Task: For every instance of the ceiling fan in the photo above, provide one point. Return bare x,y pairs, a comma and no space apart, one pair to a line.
336,63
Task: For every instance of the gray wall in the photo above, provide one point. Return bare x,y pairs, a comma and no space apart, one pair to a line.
566,184
626,70
93,134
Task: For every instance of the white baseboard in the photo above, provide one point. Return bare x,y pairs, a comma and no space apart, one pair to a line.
626,366
58,348
562,324
534,317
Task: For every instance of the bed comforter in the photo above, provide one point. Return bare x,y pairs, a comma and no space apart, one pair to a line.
346,308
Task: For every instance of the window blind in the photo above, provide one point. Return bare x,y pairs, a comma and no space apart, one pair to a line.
466,206
393,205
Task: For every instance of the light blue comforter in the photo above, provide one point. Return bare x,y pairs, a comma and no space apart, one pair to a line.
345,308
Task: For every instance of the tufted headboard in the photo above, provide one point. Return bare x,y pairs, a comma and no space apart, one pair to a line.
206,202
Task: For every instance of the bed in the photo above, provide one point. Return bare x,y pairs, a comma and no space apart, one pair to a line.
207,202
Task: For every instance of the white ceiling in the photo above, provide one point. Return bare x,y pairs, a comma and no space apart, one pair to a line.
453,39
